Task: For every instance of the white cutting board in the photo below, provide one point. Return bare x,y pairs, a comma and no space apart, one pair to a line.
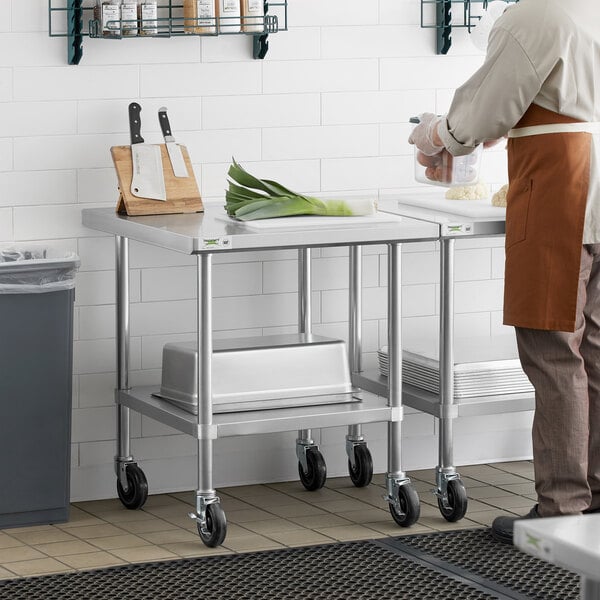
435,200
308,222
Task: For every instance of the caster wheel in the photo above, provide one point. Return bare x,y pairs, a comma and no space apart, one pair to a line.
362,472
410,505
457,501
314,478
216,526
137,488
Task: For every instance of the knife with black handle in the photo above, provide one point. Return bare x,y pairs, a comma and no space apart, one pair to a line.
147,179
175,154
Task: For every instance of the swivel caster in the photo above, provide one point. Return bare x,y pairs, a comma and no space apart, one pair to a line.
316,472
453,505
137,488
362,471
214,530
406,508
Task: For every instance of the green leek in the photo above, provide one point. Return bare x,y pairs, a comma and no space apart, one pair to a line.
249,198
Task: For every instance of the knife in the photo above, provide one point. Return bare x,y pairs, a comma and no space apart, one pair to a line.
175,155
148,178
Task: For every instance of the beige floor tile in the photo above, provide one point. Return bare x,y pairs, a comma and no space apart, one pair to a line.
65,548
365,515
298,509
389,527
273,498
8,541
20,553
519,488
40,566
246,515
194,549
486,517
270,526
487,491
92,560
345,533
319,521
78,517
440,524
340,506
171,536
146,526
94,506
251,544
423,475
6,574
143,554
300,537
474,506
156,500
228,503
89,532
123,515
522,468
172,510
44,536
241,491
323,495
511,503
372,495
112,542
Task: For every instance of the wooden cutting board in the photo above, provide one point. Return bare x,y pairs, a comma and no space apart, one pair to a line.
183,195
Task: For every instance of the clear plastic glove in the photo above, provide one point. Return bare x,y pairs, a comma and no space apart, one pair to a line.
422,134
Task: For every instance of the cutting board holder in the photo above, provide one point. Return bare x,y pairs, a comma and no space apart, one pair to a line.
183,195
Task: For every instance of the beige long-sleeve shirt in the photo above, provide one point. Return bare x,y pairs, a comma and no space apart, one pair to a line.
545,52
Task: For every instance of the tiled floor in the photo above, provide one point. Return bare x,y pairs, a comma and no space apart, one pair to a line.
260,517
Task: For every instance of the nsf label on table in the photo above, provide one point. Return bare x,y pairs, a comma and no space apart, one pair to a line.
217,243
456,229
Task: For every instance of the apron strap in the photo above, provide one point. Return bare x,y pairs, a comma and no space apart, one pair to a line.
590,127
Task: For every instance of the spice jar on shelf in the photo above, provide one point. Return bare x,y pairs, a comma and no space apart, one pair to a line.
148,15
253,15
200,16
229,16
129,18
108,15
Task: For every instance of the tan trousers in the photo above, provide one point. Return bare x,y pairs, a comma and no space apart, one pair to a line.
564,369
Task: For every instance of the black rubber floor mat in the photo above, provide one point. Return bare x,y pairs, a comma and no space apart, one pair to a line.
475,554
354,570
458,565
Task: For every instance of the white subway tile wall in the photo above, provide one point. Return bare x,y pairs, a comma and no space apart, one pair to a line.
326,113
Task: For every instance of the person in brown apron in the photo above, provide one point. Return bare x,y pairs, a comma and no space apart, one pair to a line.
539,86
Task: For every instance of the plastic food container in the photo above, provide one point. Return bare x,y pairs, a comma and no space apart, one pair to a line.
447,170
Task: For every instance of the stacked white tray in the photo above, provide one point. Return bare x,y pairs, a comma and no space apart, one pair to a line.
483,366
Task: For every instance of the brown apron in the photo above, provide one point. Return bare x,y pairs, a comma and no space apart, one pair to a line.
548,187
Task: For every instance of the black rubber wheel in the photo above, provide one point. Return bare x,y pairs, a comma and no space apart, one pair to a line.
410,505
216,526
362,472
315,477
457,501
137,488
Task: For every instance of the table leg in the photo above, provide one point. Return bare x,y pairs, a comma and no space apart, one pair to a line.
452,498
132,486
211,522
402,497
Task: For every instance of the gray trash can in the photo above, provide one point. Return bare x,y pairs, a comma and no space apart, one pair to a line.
37,293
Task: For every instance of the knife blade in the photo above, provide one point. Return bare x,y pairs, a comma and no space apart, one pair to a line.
148,178
175,155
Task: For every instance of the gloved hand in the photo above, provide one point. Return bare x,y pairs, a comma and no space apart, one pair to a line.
422,134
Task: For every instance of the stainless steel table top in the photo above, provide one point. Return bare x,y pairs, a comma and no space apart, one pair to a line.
213,231
455,218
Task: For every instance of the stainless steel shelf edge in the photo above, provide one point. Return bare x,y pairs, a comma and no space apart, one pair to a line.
427,402
371,409
207,232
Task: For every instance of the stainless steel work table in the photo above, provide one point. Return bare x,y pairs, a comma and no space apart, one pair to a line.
209,233
454,219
